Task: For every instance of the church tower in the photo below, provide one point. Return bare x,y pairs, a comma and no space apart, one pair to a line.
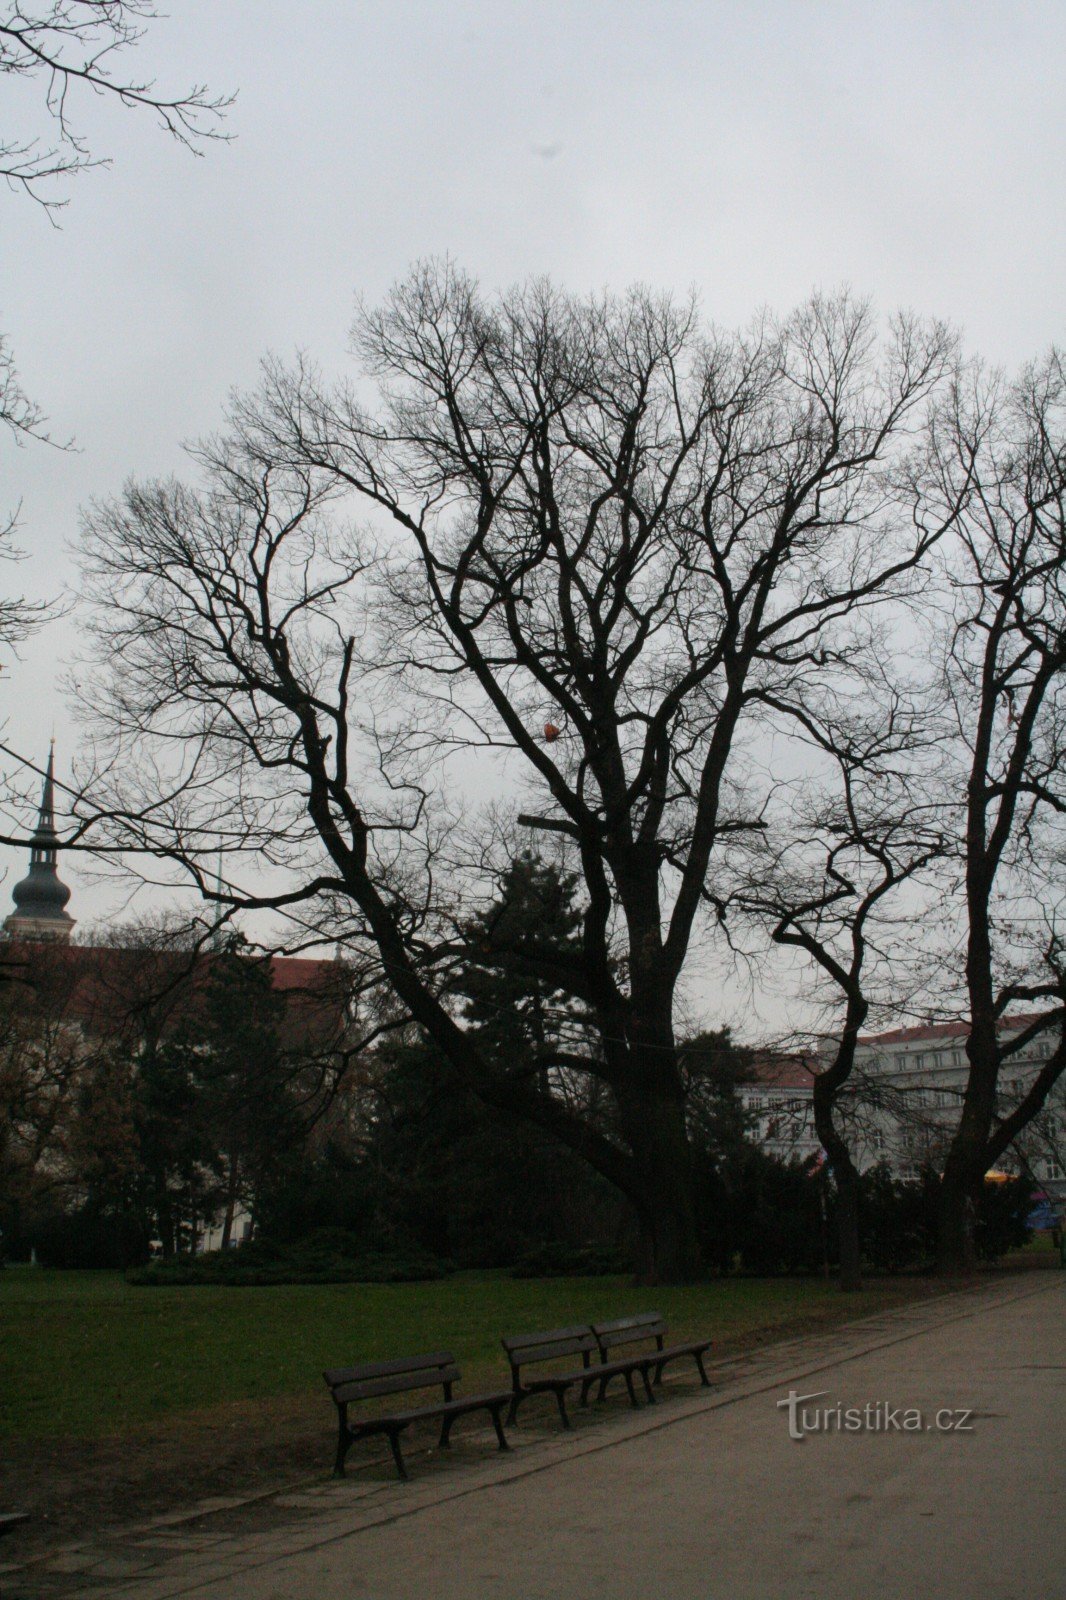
40,898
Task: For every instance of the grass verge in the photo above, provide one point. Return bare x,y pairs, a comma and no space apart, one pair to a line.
120,1404
86,1356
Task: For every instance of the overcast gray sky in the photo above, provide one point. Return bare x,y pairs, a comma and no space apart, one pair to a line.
755,151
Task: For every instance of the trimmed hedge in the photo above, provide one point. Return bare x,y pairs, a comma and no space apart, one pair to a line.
566,1261
329,1256
88,1239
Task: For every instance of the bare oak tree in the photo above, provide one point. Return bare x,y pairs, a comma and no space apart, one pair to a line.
608,550
833,883
1000,450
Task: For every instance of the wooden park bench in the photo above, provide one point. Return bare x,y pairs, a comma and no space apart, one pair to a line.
530,1349
380,1379
647,1326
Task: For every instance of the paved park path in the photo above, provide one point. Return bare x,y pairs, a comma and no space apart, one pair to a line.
705,1497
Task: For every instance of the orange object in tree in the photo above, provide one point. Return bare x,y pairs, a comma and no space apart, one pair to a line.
551,732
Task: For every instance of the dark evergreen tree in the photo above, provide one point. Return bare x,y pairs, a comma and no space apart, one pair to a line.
457,1177
713,1067
520,1012
247,1087
179,1157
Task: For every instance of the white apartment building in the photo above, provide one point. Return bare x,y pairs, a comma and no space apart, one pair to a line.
907,1093
780,1099
903,1102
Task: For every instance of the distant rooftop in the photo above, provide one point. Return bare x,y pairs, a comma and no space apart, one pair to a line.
929,1032
779,1072
107,988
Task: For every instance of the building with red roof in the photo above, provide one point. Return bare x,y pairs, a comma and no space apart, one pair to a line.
913,1080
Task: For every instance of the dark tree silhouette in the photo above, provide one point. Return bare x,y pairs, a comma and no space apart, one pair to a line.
657,541
829,885
1001,451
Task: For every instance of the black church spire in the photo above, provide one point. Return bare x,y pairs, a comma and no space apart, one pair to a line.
40,898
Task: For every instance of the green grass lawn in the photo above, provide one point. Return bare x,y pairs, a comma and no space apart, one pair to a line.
84,1354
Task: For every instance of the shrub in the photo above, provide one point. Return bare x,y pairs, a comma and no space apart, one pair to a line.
330,1256
897,1221
1002,1221
90,1238
569,1261
763,1216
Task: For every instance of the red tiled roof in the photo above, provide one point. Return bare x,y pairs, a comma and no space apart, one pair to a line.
302,972
103,987
779,1072
930,1031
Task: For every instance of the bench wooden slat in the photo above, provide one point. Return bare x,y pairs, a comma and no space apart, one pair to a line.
401,1384
527,1348
553,1352
384,1369
645,1326
453,1408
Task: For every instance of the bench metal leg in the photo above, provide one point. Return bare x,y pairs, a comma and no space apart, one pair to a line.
628,1376
344,1444
703,1371
512,1410
562,1408
494,1411
397,1454
500,1435
648,1390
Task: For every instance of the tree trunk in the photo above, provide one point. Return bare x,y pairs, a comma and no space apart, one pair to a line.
164,1216
847,1180
663,1195
965,1165
231,1203
955,1243
848,1202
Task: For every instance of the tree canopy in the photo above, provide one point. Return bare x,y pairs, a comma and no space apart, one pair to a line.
618,566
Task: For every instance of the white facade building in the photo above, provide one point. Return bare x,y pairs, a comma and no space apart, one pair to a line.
903,1102
780,1099
907,1093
